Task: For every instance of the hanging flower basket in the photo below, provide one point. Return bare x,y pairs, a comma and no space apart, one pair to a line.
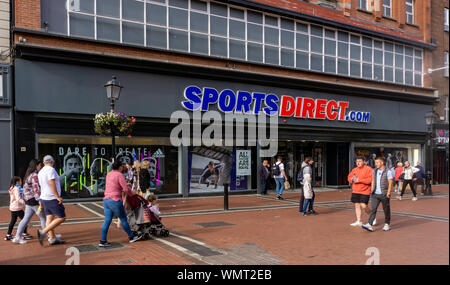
121,123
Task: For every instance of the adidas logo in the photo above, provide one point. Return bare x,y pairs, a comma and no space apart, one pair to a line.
158,153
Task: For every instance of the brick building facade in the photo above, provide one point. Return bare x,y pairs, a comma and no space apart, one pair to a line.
363,50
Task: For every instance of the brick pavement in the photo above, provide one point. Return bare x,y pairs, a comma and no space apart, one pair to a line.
262,236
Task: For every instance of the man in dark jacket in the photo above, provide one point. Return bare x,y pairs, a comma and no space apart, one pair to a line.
420,175
264,174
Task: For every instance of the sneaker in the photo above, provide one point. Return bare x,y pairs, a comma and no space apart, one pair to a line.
399,198
40,236
8,237
281,198
367,227
135,238
19,240
104,244
306,214
26,236
313,212
386,227
356,224
56,241
278,197
374,222
414,199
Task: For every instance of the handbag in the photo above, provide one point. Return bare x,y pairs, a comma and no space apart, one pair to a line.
287,185
402,176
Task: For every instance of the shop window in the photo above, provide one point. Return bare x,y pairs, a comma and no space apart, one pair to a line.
83,166
254,52
156,14
271,55
178,40
132,33
156,37
110,8
133,10
108,29
199,22
199,43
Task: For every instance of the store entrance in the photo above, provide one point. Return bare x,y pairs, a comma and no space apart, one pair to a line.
293,154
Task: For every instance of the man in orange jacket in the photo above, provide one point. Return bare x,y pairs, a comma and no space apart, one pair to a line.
361,179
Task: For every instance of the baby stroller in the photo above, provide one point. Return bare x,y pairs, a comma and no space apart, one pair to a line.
138,216
156,226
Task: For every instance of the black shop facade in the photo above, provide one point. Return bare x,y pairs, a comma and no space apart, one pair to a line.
56,101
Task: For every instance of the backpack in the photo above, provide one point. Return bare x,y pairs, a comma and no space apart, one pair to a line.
300,175
276,169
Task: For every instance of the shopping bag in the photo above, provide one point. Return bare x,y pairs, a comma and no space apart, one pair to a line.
287,185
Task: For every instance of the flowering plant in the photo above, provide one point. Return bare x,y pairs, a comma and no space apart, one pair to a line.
121,122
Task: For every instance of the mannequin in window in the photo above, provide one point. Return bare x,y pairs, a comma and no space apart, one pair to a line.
389,161
372,160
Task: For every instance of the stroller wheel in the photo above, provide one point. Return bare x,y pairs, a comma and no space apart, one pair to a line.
166,233
147,236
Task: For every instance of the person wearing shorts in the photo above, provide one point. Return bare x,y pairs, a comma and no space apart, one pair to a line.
51,201
361,179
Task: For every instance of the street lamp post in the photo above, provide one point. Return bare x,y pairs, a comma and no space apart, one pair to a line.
429,120
113,89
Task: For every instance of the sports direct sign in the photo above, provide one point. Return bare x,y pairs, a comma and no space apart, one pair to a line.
229,101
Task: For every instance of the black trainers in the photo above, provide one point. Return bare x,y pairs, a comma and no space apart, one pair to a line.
312,212
26,236
104,244
280,197
306,214
41,237
8,237
57,241
135,238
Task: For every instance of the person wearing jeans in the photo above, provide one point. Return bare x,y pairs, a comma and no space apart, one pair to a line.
381,193
279,178
113,204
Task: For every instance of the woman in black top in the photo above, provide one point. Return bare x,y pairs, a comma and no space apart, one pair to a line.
144,176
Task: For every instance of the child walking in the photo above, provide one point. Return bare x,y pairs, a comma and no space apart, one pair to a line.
308,193
16,206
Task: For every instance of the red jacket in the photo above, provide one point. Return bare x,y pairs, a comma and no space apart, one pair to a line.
364,184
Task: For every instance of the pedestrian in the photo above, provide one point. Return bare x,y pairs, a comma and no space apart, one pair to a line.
420,175
263,176
382,182
408,172
398,183
306,169
144,177
31,195
307,190
113,204
51,201
361,179
16,206
280,176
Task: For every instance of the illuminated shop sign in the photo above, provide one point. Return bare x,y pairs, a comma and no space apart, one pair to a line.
254,103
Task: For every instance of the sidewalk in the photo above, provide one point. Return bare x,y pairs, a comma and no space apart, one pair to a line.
256,230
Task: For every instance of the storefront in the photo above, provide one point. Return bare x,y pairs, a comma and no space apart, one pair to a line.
56,102
440,153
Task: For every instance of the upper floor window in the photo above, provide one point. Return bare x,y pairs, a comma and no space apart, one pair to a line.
446,19
446,63
387,8
362,4
410,11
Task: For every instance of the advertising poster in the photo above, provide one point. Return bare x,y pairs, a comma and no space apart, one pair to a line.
243,162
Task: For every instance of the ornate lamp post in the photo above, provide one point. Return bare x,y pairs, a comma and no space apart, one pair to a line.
429,120
113,89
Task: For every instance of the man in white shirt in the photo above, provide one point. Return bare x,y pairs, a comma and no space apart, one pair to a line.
280,176
51,201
